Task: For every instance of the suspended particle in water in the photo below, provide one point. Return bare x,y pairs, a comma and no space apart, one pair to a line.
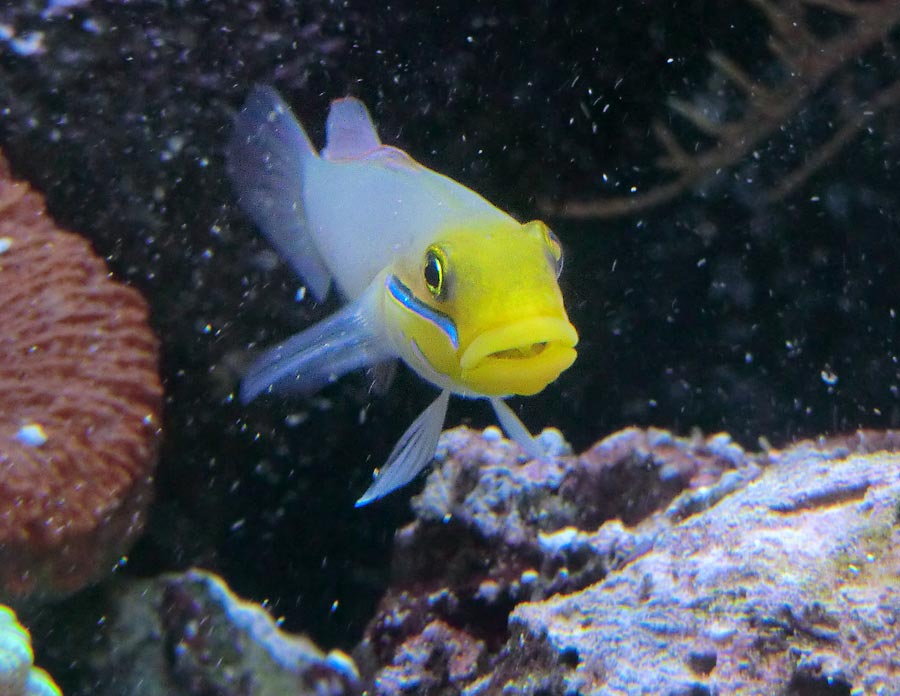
829,377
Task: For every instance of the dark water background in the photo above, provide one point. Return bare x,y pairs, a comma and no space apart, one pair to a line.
716,311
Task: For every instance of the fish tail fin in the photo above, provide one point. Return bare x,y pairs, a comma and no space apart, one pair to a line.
266,158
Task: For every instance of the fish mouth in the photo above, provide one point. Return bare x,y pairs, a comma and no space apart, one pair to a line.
519,358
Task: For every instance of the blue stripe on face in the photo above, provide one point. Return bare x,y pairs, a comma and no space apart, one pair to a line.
404,296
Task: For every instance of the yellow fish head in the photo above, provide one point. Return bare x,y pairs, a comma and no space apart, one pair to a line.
480,312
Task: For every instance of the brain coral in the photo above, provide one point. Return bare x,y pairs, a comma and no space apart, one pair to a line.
18,676
80,401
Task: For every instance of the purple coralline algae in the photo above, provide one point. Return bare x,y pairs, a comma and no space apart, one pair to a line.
439,658
649,564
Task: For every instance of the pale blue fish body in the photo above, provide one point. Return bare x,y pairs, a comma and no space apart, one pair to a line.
364,215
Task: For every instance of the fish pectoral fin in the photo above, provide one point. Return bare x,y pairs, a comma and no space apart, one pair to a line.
412,453
266,159
347,340
515,429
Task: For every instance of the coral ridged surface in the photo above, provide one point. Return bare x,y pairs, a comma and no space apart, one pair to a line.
80,405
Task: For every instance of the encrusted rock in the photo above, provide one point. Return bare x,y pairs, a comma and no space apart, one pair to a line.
189,635
652,564
441,659
787,585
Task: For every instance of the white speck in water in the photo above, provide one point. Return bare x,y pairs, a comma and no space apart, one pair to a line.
5,244
829,377
292,420
30,44
91,26
175,143
32,434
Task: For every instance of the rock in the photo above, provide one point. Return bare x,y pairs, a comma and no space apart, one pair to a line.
439,659
188,634
654,564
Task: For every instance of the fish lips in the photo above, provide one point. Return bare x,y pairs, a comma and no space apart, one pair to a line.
519,358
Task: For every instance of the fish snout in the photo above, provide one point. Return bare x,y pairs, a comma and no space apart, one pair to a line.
519,358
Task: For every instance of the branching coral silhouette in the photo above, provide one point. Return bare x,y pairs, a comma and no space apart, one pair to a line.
812,65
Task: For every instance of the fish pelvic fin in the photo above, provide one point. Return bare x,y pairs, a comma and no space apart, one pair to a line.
412,453
266,158
515,429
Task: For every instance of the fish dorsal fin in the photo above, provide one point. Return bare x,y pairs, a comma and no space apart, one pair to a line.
349,131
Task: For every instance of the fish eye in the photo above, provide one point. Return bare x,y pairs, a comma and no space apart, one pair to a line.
434,271
556,250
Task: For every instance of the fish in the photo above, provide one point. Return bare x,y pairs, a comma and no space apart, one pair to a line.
429,272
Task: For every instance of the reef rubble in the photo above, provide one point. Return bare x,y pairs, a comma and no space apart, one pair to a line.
187,634
648,564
